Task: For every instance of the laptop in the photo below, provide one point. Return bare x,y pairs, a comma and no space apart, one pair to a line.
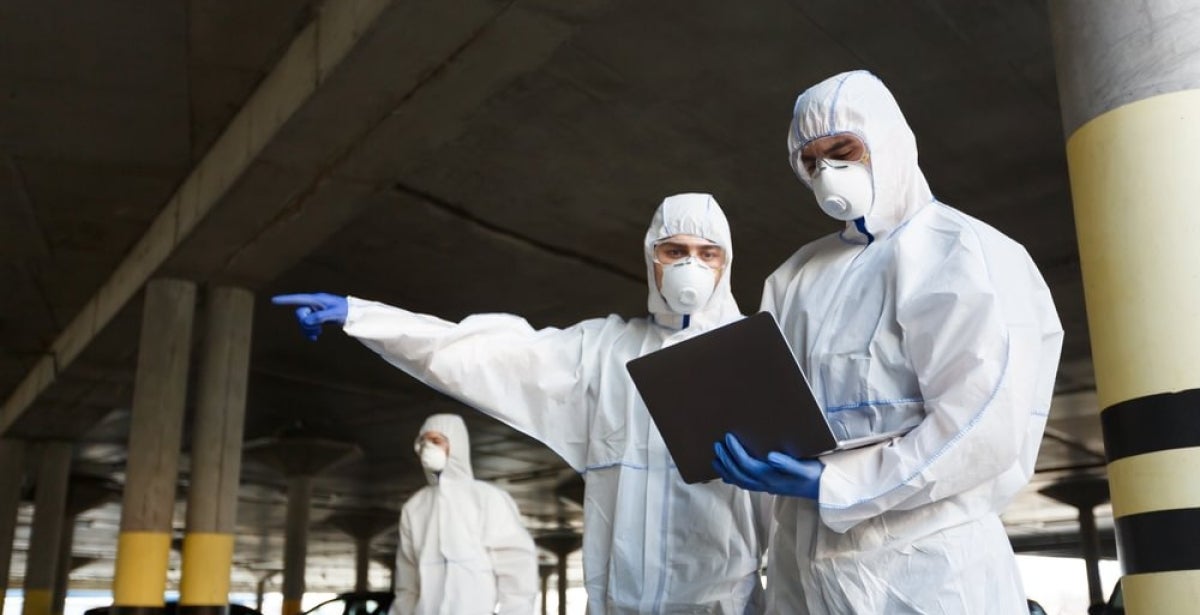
741,378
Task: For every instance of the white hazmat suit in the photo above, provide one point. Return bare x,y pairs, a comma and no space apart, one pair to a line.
651,543
463,549
921,316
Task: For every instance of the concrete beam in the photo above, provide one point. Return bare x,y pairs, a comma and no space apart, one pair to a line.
362,92
405,94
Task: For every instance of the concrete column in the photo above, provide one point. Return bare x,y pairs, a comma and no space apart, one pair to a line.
544,572
83,494
1129,90
260,589
388,561
562,584
561,544
12,459
295,546
62,577
1085,494
363,526
49,510
362,564
159,392
300,459
216,458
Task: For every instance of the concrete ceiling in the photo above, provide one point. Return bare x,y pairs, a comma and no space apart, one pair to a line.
454,158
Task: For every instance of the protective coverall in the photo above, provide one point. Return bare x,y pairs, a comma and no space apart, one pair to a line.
463,549
651,543
916,315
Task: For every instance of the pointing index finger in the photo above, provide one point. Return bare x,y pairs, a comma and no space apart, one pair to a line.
306,299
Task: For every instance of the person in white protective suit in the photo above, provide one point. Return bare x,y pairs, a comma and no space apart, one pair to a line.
463,549
651,543
914,315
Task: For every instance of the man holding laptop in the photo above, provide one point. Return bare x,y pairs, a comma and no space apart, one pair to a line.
914,315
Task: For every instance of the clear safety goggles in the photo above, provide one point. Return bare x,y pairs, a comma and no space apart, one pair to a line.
672,253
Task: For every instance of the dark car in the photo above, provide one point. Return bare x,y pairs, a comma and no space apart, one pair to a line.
171,607
354,603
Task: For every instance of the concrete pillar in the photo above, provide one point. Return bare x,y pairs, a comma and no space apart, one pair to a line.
561,544
1129,90
62,577
159,391
362,564
388,561
216,457
363,526
12,459
260,589
544,572
83,494
1085,494
295,545
300,459
562,584
49,510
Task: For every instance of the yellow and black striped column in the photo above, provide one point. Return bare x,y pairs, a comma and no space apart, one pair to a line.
1129,85
12,460
148,503
216,456
49,510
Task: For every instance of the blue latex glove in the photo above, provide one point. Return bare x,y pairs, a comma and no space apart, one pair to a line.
315,310
780,474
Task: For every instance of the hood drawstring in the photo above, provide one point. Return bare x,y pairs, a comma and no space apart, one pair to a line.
861,225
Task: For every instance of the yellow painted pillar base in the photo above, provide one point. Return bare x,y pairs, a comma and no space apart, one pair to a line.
207,559
290,607
37,602
140,577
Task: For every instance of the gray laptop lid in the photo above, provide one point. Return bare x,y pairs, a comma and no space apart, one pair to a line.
740,378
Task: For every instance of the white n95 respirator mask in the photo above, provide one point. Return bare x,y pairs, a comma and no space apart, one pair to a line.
433,457
843,189
687,285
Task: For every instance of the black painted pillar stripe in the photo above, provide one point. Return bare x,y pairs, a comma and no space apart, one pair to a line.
1160,541
1152,423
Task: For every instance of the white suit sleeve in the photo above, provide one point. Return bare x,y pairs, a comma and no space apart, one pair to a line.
514,559
408,588
534,380
973,332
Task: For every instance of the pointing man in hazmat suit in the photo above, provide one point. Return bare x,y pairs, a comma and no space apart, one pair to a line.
652,543
917,316
463,549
